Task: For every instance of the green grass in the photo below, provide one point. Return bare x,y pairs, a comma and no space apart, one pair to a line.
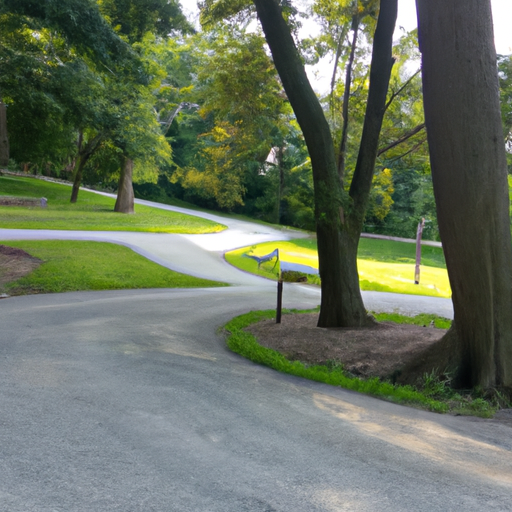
383,265
80,266
245,344
92,212
422,319
435,394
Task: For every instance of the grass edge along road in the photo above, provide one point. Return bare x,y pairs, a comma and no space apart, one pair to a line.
384,265
92,266
435,396
92,212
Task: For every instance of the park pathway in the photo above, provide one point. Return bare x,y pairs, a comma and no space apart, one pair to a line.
203,256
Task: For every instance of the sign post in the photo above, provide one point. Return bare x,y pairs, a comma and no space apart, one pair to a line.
419,233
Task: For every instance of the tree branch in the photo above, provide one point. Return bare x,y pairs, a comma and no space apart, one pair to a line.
402,139
395,94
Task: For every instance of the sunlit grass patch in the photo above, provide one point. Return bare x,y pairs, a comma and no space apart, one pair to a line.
394,274
92,212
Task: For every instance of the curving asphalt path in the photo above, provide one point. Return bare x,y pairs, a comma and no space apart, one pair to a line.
129,401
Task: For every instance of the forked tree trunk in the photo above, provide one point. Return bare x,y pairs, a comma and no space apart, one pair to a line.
4,139
469,173
84,154
339,217
125,196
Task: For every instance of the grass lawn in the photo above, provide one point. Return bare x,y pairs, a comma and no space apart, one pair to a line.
92,212
82,266
434,395
384,265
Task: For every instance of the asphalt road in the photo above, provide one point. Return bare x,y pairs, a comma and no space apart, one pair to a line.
129,401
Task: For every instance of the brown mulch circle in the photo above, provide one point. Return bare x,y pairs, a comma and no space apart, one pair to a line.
397,352
15,264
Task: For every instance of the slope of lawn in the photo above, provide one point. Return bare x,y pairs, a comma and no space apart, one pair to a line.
92,212
384,265
80,266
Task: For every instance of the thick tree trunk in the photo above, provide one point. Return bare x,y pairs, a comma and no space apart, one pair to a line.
4,139
341,302
339,217
125,196
469,173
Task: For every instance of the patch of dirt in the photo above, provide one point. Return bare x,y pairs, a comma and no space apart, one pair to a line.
399,353
15,264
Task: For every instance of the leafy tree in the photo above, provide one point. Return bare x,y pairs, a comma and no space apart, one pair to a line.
469,172
339,215
137,134
242,104
135,18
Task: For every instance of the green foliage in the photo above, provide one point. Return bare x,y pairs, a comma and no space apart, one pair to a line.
135,18
243,109
213,11
79,21
92,212
81,266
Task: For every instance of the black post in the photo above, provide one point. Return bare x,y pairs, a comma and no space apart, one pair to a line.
279,300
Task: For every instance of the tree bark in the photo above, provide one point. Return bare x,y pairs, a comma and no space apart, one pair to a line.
341,302
469,173
4,139
125,196
84,153
339,217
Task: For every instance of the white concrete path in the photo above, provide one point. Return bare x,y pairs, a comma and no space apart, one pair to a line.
203,256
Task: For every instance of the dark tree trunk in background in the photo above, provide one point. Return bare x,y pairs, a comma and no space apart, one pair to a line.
4,138
125,196
338,216
84,153
469,172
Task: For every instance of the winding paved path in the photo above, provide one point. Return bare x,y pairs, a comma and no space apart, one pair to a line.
129,401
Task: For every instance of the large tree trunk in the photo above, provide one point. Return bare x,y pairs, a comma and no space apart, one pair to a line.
4,139
469,172
125,196
338,216
337,308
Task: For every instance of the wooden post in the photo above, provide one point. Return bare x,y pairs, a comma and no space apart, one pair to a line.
418,251
279,300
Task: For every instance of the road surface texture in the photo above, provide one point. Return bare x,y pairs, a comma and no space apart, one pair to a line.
129,401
